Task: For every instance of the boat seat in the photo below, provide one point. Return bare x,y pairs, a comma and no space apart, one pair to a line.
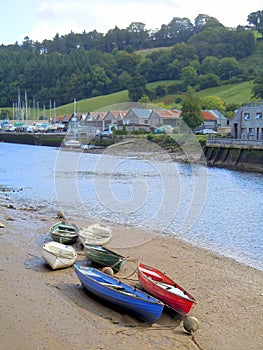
173,290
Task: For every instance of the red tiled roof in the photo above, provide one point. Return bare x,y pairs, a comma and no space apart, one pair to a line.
62,117
166,113
208,116
114,113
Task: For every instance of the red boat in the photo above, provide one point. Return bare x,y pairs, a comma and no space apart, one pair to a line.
163,288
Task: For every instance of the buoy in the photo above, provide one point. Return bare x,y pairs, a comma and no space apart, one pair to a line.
191,324
60,215
108,270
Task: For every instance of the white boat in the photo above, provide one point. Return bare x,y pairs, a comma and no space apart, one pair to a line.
96,234
72,143
58,255
88,146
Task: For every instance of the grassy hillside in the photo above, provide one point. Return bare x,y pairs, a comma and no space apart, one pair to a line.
149,51
102,103
231,93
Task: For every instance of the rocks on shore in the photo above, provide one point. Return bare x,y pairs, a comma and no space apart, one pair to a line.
2,225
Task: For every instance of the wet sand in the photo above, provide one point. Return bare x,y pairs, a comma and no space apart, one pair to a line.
49,310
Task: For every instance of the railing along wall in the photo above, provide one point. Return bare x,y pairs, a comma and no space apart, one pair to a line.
235,142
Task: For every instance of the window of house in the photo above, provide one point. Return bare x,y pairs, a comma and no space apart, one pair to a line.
246,116
251,132
258,115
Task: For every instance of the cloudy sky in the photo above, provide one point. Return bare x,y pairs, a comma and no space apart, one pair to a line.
43,19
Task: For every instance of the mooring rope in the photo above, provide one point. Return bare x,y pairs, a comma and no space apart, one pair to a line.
195,341
134,271
152,328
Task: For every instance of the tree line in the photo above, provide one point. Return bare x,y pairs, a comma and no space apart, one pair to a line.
201,55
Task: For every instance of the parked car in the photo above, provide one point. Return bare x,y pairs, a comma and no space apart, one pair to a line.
10,128
205,132
105,133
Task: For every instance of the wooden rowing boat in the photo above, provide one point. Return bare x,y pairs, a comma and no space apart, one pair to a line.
135,301
165,289
64,232
104,257
96,234
58,256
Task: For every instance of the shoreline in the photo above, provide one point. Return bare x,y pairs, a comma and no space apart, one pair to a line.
229,294
227,156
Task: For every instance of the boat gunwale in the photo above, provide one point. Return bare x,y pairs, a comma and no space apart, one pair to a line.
189,298
106,252
150,298
58,254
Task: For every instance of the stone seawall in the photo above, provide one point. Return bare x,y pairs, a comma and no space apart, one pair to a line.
236,158
38,139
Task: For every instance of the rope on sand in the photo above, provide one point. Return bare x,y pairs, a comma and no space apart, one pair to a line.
195,341
134,271
154,327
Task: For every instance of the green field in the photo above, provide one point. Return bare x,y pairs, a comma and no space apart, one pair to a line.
100,103
232,93
149,51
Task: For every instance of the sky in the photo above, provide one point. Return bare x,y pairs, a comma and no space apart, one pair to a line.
43,19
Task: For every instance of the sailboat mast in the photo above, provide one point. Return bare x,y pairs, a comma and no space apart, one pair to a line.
74,106
55,111
18,104
26,107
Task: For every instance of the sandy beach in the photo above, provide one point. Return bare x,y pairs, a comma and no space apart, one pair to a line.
47,310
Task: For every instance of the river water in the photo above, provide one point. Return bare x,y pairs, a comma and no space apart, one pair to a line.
217,209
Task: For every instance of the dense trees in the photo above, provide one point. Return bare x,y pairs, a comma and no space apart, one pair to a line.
191,109
255,19
203,54
213,102
137,87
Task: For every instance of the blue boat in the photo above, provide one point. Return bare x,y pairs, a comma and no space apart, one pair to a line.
106,287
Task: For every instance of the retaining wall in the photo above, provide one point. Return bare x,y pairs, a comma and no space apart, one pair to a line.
237,158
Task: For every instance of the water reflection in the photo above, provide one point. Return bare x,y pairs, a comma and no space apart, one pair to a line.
216,208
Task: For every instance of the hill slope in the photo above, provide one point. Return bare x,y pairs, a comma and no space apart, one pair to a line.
232,93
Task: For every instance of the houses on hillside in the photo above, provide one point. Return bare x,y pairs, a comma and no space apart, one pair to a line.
160,117
246,124
141,119
213,119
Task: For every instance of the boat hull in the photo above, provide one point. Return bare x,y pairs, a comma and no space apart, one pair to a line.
165,289
97,234
65,233
72,143
104,257
142,305
58,256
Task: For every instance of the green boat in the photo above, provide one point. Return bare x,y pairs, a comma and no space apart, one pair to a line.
103,256
64,232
